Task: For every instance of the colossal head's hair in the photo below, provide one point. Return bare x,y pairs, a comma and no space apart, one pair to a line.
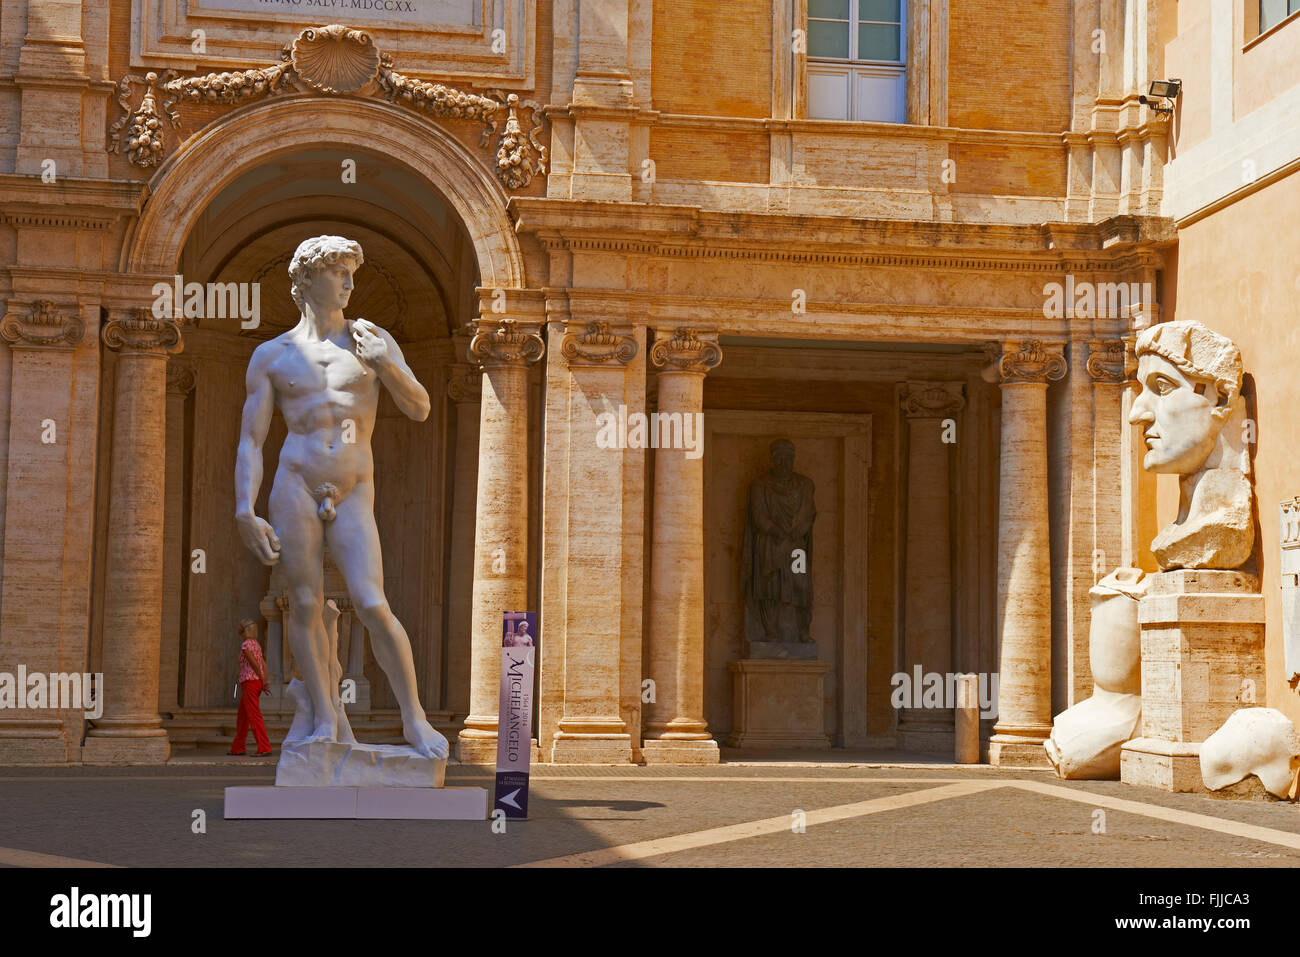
781,445
1198,352
313,255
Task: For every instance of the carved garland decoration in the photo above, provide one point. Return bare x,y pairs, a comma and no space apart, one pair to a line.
333,61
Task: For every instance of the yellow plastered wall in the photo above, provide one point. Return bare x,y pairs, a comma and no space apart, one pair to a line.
1238,273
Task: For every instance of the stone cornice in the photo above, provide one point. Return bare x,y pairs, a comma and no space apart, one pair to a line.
140,333
80,203
55,220
598,344
44,324
332,60
503,342
849,130
686,351
687,232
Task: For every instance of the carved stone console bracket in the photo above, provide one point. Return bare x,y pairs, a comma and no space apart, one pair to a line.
332,61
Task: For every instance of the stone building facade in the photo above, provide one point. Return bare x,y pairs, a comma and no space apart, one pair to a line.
577,210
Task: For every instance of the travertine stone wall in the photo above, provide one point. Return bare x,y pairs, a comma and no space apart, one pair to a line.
49,458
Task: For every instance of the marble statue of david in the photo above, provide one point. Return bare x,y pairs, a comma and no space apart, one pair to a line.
324,376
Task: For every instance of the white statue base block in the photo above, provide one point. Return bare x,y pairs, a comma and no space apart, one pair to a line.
356,765
378,803
1202,658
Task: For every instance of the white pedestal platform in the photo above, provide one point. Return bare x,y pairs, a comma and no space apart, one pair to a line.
347,803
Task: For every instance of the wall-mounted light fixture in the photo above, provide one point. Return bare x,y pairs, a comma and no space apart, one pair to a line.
1161,91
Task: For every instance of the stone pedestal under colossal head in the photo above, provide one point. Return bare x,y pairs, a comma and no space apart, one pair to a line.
325,375
1193,419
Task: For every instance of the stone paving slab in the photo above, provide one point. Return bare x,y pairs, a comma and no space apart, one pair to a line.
143,817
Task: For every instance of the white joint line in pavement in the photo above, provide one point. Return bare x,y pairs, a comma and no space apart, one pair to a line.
13,857
1173,815
771,825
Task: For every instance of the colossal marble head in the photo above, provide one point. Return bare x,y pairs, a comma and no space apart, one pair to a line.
1191,379
313,255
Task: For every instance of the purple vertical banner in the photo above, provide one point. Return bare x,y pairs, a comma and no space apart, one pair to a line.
515,711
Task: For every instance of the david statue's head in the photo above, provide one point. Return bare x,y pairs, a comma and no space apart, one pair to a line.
1191,382
320,272
782,452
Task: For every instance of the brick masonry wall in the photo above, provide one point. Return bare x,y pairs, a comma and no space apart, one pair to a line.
1009,65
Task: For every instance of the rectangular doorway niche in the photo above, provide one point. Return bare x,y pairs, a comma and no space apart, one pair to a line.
834,450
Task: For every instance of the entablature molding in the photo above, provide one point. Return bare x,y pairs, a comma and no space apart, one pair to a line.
695,233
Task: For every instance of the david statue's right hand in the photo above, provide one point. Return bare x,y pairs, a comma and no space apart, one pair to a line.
260,539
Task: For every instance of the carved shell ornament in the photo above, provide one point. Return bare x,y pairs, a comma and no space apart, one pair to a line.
333,61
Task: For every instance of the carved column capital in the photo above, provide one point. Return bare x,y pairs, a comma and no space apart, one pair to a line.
505,342
687,351
181,379
1023,361
43,324
465,384
1109,360
932,400
139,332
598,344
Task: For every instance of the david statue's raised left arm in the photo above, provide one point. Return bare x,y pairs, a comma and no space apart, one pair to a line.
377,349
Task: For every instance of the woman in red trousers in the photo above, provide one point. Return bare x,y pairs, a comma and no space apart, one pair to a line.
252,683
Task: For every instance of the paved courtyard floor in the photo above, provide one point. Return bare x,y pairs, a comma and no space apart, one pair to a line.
771,813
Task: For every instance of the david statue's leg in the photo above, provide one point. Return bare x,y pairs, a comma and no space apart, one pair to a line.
354,543
293,516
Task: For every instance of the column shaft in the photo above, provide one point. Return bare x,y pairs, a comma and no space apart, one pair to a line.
676,732
130,730
34,632
501,522
927,603
464,391
1024,561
